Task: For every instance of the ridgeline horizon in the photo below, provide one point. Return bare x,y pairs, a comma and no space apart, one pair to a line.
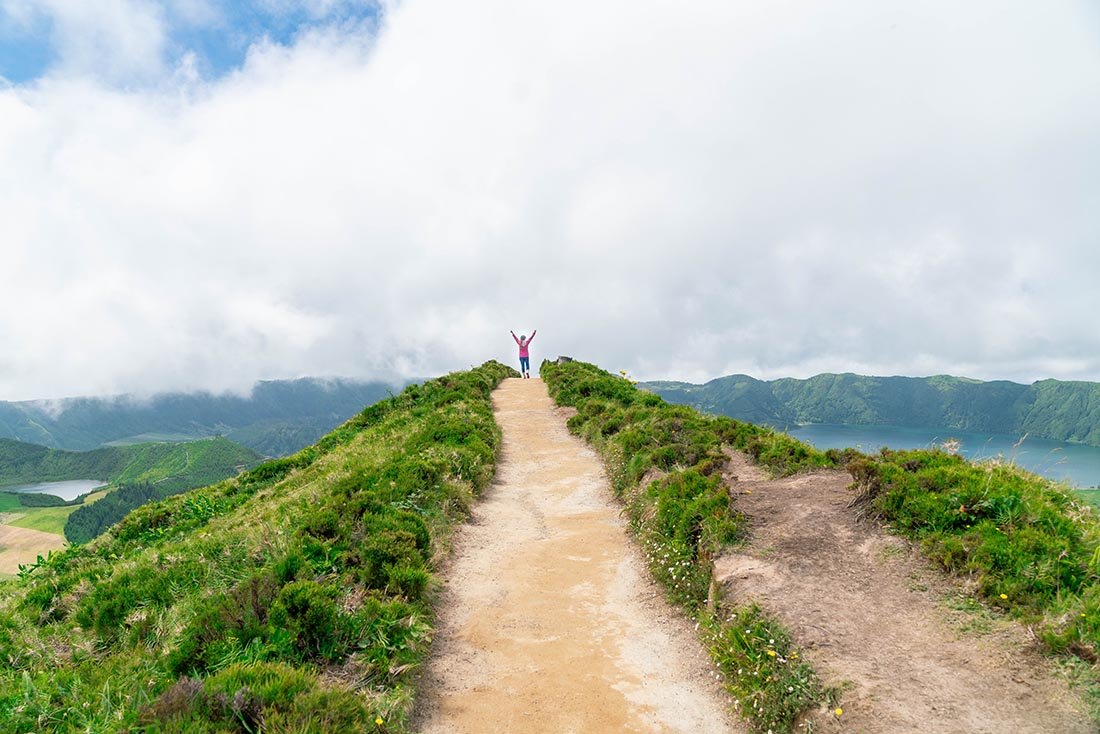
1056,409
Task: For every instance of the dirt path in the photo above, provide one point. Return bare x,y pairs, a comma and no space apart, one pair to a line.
549,621
23,545
873,613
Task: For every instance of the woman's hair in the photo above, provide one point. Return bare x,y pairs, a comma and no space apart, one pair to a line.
523,337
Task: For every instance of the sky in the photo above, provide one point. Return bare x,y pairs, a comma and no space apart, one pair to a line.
195,194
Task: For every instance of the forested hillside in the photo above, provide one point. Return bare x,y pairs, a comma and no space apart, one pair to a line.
204,461
1064,411
277,418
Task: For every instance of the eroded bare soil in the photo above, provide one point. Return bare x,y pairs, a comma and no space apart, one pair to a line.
871,613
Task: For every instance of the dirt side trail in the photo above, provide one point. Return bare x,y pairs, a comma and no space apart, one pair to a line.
23,545
873,613
549,622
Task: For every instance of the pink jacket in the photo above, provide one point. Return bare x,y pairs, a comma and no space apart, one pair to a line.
523,345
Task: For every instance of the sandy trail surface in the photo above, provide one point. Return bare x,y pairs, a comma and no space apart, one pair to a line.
871,612
549,622
23,545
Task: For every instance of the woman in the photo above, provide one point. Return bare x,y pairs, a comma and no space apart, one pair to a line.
524,354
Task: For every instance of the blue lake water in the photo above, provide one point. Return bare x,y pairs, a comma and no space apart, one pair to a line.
68,490
1070,462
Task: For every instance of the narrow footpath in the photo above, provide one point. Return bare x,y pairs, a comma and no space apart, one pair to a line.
549,621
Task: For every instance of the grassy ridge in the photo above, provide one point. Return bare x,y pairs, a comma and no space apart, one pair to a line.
295,595
683,518
1029,546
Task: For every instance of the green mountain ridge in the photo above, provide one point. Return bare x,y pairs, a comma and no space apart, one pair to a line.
1054,409
136,474
25,463
277,418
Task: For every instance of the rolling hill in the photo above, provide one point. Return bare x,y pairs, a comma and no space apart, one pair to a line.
277,418
1063,411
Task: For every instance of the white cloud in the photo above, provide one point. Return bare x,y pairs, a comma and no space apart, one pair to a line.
684,192
116,40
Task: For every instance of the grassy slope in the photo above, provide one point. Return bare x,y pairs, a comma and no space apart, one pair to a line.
1026,545
150,474
295,594
1064,411
684,519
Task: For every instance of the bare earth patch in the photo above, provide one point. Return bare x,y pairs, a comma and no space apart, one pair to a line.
871,614
549,621
22,545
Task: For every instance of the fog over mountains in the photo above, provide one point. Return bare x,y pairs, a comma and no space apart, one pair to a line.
278,417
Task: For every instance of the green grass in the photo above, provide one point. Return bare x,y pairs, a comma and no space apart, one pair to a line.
1031,547
297,594
683,518
36,512
46,519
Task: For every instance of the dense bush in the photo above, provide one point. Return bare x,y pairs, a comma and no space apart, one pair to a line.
213,610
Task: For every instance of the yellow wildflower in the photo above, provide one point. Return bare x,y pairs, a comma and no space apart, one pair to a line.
378,721
772,653
838,711
1004,596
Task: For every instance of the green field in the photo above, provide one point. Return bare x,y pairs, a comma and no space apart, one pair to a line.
46,519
